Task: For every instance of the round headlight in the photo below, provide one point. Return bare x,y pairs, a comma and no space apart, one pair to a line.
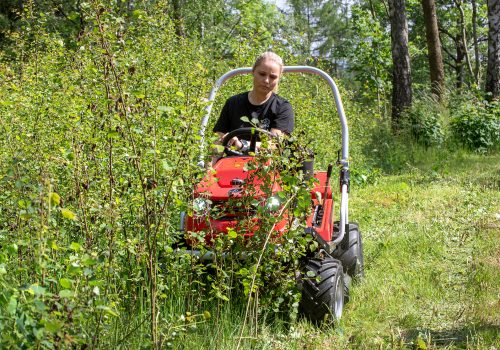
273,204
201,205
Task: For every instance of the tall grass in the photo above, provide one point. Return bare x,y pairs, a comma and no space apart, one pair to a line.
98,147
430,239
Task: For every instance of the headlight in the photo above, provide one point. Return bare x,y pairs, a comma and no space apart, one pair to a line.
201,205
273,204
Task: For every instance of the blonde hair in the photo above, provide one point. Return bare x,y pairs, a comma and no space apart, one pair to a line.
270,56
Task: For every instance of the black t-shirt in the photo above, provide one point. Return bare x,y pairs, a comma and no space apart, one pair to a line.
275,113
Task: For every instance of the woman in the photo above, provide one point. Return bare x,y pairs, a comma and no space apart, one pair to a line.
273,113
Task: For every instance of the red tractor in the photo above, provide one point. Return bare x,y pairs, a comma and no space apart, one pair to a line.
326,274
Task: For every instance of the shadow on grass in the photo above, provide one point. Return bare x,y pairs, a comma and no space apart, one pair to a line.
460,337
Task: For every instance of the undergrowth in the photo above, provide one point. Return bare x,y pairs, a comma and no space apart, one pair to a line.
98,153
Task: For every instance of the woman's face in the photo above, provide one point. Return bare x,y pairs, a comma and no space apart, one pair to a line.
266,76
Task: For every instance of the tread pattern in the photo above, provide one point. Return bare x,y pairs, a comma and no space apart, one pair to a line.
318,293
350,252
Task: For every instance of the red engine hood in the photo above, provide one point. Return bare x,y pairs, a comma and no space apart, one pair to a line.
217,184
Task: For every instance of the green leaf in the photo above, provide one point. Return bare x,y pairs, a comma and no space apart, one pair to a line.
66,293
75,246
74,269
112,134
166,109
53,245
53,325
37,290
137,13
242,272
231,233
89,262
245,119
310,274
219,295
65,283
421,344
107,309
12,249
54,198
68,214
218,148
12,307
166,165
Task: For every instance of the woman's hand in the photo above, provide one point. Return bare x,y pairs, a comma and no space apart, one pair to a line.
235,142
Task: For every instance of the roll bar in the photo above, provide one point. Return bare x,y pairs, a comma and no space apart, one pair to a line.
344,161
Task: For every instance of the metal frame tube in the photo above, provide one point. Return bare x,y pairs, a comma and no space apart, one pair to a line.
344,161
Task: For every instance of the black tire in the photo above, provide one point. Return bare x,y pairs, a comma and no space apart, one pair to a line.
323,289
350,252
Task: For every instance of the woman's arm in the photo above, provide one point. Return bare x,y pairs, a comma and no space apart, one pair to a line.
233,142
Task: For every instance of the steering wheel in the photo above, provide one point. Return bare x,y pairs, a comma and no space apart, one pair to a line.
252,133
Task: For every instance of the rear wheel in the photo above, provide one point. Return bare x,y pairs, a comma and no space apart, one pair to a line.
350,252
323,289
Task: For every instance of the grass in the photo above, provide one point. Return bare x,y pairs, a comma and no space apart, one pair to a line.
432,267
431,238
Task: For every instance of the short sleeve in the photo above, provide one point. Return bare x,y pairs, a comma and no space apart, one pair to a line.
285,118
223,123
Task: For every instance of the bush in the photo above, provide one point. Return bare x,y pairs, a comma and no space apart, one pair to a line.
364,175
388,152
424,122
477,126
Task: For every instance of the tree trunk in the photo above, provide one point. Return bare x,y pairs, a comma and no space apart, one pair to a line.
309,30
460,62
401,77
477,62
372,10
434,48
493,72
178,20
463,35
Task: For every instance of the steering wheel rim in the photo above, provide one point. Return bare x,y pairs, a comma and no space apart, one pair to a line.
247,131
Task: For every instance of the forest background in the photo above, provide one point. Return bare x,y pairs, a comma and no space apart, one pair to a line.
100,106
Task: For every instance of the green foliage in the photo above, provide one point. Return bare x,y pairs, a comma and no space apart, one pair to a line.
449,18
99,143
305,21
368,52
95,166
271,262
332,27
364,174
425,121
385,151
100,105
476,125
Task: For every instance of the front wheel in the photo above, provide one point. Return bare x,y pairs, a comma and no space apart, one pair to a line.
350,252
323,289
